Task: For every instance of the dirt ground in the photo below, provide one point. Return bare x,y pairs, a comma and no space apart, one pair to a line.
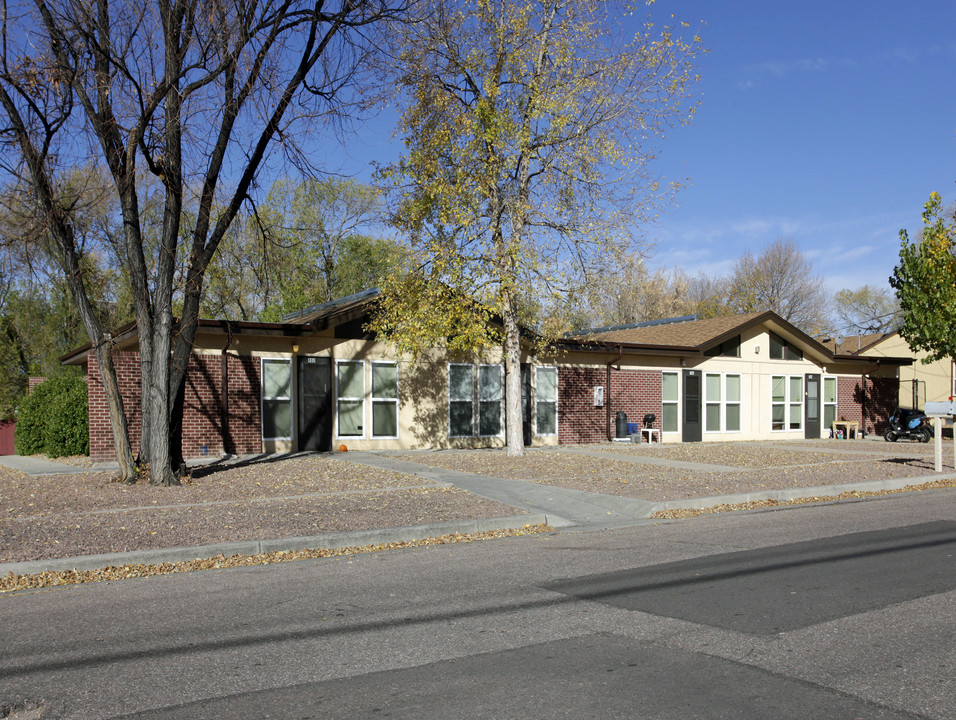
85,513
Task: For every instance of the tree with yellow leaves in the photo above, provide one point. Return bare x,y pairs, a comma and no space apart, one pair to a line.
925,283
528,128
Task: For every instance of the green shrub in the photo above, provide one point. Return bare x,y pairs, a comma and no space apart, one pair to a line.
53,419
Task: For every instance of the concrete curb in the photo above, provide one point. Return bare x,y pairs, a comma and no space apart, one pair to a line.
329,541
805,492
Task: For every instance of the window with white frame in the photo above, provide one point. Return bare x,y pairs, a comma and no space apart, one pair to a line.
384,400
475,400
350,387
490,387
546,401
732,403
461,400
712,402
829,401
722,402
670,397
786,402
276,399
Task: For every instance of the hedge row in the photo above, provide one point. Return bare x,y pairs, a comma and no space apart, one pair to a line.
53,419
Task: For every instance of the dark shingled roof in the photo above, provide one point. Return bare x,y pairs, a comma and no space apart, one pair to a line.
696,334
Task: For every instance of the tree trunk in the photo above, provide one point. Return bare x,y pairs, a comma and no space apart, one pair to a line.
512,356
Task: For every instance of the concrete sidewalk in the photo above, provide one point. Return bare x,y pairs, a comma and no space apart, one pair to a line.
556,506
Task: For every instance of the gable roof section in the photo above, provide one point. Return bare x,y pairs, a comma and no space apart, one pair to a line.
855,344
697,336
335,312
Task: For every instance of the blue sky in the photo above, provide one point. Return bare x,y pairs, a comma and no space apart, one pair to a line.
825,122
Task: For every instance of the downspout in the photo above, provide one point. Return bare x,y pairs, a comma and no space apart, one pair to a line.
607,394
228,446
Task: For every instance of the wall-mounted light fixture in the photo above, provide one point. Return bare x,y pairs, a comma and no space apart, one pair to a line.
295,347
683,362
756,349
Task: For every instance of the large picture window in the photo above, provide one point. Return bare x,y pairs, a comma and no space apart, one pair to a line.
276,399
350,385
722,402
546,401
787,402
670,397
384,400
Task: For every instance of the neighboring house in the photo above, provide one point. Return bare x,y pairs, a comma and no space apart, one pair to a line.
919,382
317,380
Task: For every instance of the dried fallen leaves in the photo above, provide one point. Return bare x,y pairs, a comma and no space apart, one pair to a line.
682,513
13,582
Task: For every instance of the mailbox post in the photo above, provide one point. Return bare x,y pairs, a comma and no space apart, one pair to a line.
938,411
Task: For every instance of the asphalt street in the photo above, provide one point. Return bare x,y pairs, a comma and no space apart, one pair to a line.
844,610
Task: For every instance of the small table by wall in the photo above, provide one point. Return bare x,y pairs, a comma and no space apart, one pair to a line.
651,433
847,425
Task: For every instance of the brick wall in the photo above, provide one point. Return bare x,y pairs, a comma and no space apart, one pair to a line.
869,402
636,392
32,382
203,431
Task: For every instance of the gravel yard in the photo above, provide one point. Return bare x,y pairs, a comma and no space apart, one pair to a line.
616,469
85,513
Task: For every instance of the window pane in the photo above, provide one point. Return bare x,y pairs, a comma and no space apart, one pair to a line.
276,378
733,418
351,377
712,387
276,419
796,389
489,418
669,421
779,389
461,385
794,353
733,388
547,386
713,418
776,347
669,387
384,381
829,390
384,419
489,382
796,417
460,418
829,415
777,415
546,419
350,417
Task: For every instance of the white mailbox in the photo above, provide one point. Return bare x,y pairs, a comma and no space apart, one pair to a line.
943,407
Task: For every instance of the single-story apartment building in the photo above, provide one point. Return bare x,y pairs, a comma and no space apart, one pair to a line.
318,380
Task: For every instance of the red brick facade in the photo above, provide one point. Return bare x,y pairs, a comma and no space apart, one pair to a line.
867,401
636,392
207,429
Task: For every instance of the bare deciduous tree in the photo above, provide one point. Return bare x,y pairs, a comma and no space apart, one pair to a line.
780,279
198,95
